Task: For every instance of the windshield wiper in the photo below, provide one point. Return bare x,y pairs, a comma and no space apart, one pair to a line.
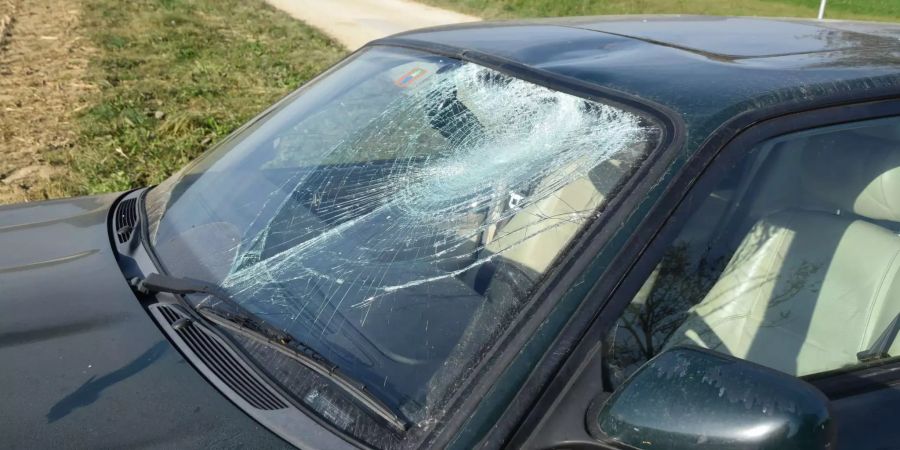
242,321
879,349
155,282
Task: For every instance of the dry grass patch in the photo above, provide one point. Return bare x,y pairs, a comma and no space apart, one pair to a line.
43,59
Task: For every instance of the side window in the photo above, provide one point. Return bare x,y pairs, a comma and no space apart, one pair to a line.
792,261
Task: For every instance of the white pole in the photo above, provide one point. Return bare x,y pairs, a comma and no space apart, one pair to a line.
822,9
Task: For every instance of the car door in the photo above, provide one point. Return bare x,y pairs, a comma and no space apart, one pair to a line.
784,253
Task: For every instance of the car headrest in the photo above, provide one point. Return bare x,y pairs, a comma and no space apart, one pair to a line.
854,172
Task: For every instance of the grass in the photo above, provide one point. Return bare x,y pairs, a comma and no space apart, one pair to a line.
177,75
888,10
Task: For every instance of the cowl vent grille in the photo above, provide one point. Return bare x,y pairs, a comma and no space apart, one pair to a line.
220,360
126,217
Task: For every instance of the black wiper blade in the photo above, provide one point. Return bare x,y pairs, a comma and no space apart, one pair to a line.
242,321
257,330
238,315
156,282
879,349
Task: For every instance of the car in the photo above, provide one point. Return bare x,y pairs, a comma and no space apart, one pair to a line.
622,232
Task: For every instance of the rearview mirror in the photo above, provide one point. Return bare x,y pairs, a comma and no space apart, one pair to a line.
687,398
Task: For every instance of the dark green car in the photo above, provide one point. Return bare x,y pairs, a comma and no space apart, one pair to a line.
651,232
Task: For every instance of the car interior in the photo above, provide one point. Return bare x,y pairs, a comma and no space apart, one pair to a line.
791,262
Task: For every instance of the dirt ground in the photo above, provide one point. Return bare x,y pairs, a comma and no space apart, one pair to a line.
43,58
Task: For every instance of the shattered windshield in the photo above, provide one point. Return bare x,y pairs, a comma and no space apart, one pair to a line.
396,214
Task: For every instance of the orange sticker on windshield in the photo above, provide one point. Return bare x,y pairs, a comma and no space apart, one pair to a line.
409,78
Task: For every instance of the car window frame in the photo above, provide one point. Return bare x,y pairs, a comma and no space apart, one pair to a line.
834,383
725,146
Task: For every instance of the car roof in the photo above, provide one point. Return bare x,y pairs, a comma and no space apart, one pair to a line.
747,37
706,69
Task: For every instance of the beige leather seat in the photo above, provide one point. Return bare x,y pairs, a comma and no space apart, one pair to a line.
806,290
535,236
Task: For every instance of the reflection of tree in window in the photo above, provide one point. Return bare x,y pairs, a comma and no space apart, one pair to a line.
660,307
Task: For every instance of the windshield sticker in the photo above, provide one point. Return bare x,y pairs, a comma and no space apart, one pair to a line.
411,77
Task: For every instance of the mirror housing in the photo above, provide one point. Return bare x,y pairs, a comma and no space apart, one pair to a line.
687,398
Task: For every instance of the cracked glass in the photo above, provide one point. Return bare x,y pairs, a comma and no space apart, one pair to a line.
396,213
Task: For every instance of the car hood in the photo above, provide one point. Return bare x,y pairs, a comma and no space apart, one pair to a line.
81,362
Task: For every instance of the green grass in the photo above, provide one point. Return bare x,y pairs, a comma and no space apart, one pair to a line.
888,10
175,76
876,9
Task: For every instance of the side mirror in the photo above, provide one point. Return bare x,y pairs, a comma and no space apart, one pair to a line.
687,398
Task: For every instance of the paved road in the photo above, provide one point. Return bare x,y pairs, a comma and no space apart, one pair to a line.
355,22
